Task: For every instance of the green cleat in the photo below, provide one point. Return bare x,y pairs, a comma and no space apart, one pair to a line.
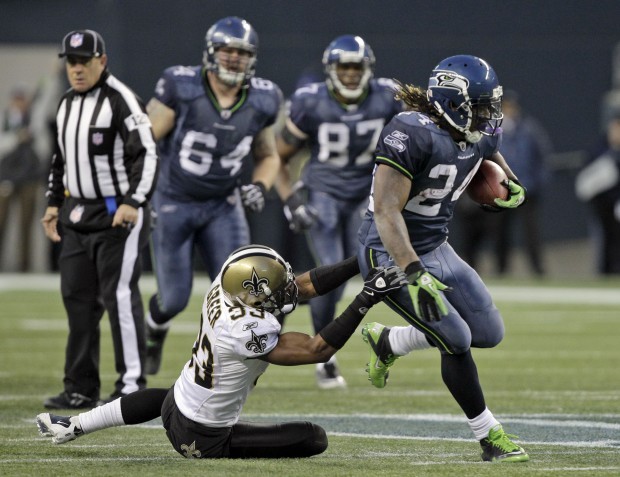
498,447
375,334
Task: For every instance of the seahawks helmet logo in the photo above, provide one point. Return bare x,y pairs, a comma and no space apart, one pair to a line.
256,284
451,80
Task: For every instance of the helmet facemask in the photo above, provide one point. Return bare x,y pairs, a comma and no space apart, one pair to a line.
283,300
487,113
230,76
343,90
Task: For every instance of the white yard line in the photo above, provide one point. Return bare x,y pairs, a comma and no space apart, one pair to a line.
558,421
503,293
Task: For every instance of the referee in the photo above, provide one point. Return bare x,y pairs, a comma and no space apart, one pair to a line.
103,172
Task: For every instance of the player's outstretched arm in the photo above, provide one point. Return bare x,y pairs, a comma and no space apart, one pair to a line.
298,348
322,280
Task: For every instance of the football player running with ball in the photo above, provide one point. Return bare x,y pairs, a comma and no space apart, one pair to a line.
339,120
211,120
424,160
239,336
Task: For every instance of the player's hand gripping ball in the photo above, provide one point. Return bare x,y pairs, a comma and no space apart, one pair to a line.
486,186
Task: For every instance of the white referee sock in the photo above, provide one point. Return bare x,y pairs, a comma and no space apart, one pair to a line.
102,417
482,424
404,339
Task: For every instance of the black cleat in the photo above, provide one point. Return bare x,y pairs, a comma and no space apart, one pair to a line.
498,447
67,400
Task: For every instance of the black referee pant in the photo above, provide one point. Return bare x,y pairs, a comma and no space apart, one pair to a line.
99,272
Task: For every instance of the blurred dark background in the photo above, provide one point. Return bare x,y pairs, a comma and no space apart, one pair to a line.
558,54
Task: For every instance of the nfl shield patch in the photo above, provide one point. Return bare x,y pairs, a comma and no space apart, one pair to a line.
97,139
76,214
76,40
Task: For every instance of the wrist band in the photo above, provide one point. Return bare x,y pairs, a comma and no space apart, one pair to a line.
414,267
338,332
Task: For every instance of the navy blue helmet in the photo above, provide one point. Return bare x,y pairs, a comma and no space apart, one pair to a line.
465,90
232,32
348,49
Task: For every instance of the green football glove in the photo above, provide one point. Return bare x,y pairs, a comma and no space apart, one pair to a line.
516,195
428,303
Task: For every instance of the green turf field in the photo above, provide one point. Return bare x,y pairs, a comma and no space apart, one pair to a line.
553,381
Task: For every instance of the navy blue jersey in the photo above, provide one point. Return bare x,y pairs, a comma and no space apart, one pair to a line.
439,168
208,149
341,137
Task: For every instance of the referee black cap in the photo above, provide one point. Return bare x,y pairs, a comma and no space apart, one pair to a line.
86,43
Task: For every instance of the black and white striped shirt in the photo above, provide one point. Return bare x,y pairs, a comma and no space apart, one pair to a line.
104,146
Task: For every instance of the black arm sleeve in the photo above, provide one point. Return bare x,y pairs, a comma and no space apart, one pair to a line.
338,332
330,277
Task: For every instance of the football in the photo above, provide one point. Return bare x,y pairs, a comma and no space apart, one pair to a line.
486,186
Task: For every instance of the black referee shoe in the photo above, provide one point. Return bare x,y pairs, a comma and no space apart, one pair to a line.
67,400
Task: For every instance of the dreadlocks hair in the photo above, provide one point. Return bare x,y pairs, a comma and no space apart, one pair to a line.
415,98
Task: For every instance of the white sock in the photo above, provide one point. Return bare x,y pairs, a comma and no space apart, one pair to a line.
157,326
482,424
102,417
331,360
404,339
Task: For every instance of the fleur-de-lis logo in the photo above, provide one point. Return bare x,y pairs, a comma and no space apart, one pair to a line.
190,451
257,343
255,284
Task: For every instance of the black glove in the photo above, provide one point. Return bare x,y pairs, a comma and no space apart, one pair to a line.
300,215
253,196
427,301
380,282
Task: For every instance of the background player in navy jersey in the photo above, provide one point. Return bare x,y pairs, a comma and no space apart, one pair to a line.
424,160
339,120
211,119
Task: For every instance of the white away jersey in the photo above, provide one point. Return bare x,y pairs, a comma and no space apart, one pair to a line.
224,368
